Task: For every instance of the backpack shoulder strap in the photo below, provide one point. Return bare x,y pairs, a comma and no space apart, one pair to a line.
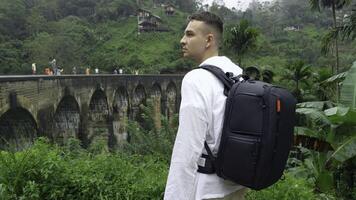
228,82
210,167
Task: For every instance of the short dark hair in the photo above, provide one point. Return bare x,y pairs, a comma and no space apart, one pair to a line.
210,19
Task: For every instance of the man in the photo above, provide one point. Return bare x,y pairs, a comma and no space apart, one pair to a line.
74,70
201,115
87,71
33,67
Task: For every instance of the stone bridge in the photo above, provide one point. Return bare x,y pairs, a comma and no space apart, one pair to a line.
82,106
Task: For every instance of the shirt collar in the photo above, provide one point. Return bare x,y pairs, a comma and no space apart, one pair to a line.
215,60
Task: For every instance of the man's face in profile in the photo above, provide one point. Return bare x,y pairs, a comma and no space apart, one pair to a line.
194,40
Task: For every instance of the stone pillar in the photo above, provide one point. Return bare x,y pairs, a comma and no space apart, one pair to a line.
156,101
98,126
120,118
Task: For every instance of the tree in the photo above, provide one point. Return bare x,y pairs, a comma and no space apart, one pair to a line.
222,11
334,5
135,63
299,73
69,41
241,38
36,23
349,29
10,58
322,88
13,19
186,5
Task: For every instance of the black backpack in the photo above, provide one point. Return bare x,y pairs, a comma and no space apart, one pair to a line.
257,132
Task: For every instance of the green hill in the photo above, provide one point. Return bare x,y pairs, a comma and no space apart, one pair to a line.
103,34
149,51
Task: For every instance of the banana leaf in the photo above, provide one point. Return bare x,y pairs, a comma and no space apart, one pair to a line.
300,130
338,110
341,115
335,78
345,151
319,105
348,89
317,116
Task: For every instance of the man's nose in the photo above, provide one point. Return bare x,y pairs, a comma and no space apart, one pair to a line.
182,41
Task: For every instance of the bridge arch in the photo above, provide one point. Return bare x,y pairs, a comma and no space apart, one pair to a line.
18,129
138,98
156,90
121,100
66,120
139,95
98,106
98,119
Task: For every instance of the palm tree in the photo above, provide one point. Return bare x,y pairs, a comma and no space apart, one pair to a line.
241,38
322,89
334,5
349,29
299,73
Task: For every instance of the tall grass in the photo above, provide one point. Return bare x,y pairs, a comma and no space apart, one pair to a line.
47,171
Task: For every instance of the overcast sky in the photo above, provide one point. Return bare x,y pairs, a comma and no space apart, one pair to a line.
243,4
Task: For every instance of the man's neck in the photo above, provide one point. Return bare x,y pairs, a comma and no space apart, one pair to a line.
209,55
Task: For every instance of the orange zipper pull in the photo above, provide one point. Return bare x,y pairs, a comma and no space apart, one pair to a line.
278,105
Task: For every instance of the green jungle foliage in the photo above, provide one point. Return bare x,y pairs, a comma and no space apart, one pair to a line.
103,34
328,131
50,172
136,171
47,171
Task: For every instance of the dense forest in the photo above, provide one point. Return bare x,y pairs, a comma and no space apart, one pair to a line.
103,34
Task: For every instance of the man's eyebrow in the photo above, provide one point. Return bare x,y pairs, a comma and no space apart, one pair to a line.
189,31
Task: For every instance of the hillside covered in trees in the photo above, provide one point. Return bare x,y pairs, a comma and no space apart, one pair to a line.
103,34
307,46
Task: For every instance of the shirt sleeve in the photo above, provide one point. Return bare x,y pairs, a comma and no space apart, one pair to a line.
189,143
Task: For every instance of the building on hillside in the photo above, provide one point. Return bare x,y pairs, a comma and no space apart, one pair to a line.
149,22
291,28
169,9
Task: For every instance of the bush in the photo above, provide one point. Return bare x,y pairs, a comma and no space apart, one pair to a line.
48,172
287,188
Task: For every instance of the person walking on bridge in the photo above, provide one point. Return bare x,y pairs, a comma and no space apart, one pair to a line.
87,71
33,68
201,115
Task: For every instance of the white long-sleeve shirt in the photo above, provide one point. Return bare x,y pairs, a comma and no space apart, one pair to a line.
200,119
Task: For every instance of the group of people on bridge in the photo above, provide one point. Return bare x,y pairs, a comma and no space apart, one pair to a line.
55,69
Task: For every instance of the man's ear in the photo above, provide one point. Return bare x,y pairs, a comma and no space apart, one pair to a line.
209,39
